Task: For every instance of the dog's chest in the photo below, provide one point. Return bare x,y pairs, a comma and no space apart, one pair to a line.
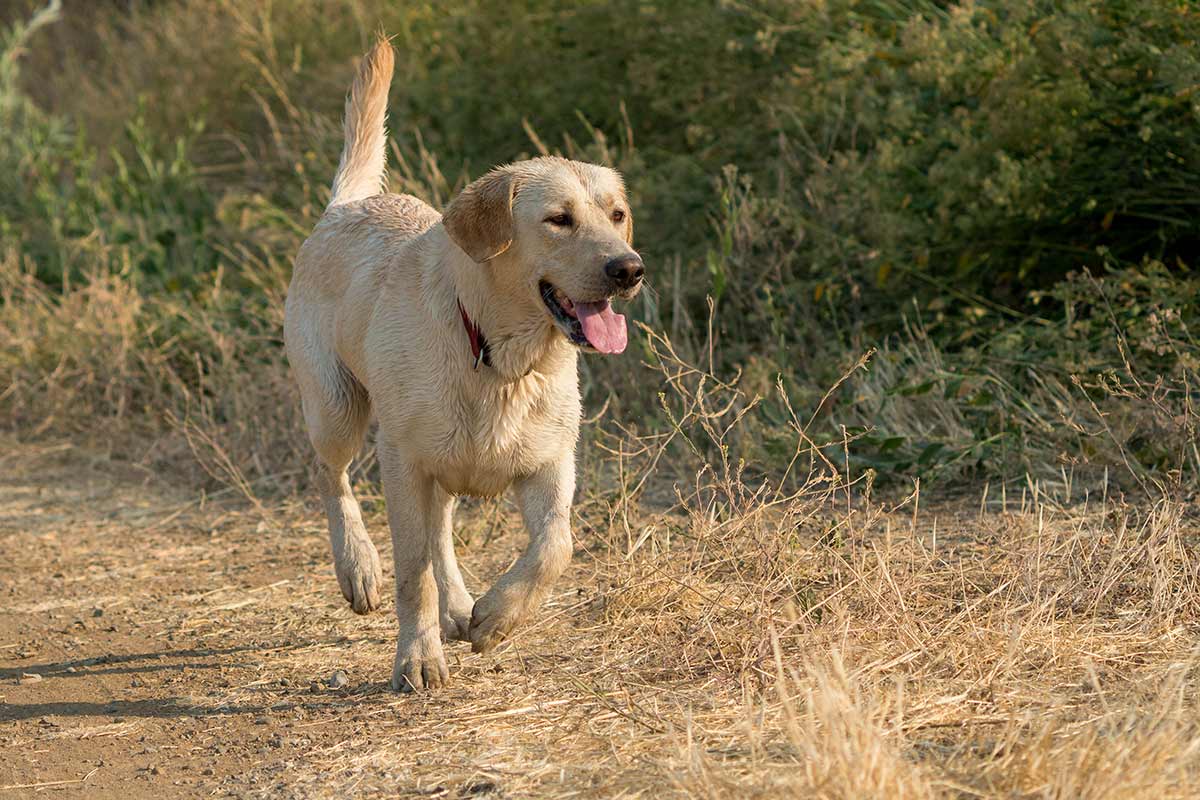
497,434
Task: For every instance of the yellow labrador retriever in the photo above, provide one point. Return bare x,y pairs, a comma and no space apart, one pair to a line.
460,332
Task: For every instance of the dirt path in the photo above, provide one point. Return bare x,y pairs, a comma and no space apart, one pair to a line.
153,647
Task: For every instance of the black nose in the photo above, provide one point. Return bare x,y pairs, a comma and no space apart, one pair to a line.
626,271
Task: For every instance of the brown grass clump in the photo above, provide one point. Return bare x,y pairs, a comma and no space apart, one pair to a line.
173,382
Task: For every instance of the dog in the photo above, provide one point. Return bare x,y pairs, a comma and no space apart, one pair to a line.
459,333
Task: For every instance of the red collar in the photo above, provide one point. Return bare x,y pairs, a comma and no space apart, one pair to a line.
479,345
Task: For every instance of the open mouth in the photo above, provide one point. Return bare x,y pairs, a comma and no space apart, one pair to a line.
591,324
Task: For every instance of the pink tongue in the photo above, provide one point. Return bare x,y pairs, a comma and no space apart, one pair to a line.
603,327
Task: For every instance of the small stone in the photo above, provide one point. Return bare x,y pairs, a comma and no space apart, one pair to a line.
338,680
207,771
72,670
261,720
31,677
314,687
97,612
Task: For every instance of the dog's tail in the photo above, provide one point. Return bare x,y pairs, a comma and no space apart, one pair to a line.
360,173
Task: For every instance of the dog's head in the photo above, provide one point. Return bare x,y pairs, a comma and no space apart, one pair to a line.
556,237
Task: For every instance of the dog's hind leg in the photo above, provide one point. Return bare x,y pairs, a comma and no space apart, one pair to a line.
337,412
454,601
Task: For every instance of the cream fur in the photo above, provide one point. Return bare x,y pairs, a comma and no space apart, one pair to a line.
373,329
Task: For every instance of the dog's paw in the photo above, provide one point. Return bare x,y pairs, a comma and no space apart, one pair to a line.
494,617
420,664
359,574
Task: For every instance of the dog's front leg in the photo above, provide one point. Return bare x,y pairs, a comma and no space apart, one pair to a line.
414,508
545,499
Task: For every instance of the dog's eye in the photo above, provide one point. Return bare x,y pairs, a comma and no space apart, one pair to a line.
562,220
618,216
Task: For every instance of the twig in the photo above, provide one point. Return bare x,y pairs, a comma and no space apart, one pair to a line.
44,784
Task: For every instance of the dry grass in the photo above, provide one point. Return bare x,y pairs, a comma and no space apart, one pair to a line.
1021,644
190,385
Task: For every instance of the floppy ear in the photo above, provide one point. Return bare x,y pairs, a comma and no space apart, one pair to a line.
480,219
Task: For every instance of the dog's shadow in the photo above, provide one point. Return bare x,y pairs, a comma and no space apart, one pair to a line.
129,663
278,700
